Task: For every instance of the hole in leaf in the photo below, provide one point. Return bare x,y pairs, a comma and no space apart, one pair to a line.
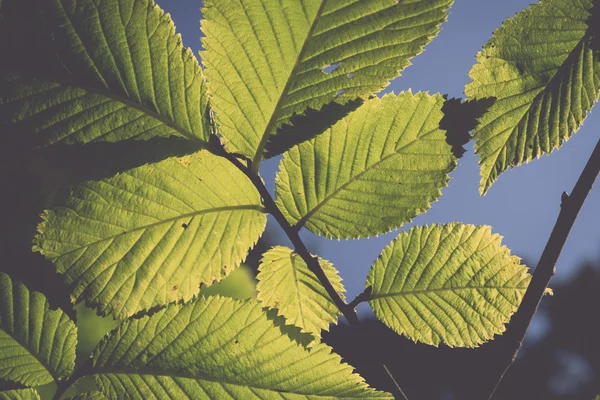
328,69
339,92
350,75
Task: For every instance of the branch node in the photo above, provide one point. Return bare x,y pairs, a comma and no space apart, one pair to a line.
364,296
564,198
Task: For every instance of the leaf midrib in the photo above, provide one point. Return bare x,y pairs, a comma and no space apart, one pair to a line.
293,258
396,152
265,136
375,296
171,219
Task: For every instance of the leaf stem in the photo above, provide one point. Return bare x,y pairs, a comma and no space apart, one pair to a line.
569,209
63,386
364,296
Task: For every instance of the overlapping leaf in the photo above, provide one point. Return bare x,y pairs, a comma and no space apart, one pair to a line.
371,172
303,127
452,284
266,61
37,345
286,283
152,234
218,348
545,77
123,74
19,394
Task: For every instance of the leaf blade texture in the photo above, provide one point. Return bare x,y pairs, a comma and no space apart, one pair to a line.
19,394
124,74
151,235
542,71
286,283
453,284
37,344
218,348
265,63
95,395
371,172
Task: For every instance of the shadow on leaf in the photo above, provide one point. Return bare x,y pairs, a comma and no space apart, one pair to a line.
305,127
58,166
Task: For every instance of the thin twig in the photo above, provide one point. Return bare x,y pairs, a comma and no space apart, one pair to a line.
398,388
311,261
347,310
569,208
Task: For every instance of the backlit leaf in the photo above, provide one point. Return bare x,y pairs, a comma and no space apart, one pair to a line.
371,172
453,284
19,394
286,283
152,234
125,75
215,348
545,77
266,60
37,344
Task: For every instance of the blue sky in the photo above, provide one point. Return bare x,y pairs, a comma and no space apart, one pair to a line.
522,205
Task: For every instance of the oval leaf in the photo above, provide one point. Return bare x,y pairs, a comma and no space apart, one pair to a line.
217,348
371,172
265,62
286,283
125,75
37,345
453,284
152,234
545,78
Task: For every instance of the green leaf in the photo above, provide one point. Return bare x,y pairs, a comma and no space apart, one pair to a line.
152,234
125,75
371,172
286,283
265,62
88,396
240,284
303,127
37,345
214,348
545,77
453,284
19,394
